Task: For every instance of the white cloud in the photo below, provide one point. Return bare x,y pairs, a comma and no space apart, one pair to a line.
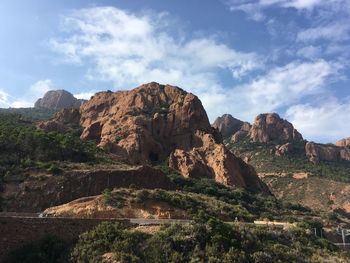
27,98
255,8
279,88
338,31
328,122
4,99
40,87
85,95
310,52
128,50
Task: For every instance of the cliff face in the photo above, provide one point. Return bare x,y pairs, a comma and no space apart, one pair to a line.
57,100
270,127
153,122
323,152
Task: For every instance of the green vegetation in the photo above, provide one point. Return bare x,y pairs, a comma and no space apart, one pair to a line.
30,114
258,205
23,146
265,161
48,250
206,240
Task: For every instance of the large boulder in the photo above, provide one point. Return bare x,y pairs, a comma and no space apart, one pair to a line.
57,100
343,142
270,127
155,122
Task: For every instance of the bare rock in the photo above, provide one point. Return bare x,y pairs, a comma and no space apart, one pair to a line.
343,142
227,125
153,122
284,149
321,152
57,100
270,127
62,121
213,160
238,136
345,153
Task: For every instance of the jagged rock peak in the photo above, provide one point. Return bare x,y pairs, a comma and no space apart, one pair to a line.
271,127
227,125
57,100
343,142
153,123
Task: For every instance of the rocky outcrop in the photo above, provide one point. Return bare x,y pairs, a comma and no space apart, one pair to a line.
345,154
62,121
321,152
227,125
241,133
284,149
213,160
343,142
270,127
57,100
326,152
152,122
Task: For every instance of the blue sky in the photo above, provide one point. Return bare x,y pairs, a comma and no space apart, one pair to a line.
242,57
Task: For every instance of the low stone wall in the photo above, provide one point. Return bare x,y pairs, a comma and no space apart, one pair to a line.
16,232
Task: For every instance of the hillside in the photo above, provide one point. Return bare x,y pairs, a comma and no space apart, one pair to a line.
316,179
151,153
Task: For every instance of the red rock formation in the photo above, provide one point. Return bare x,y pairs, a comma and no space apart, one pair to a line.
343,142
270,127
62,121
152,122
227,125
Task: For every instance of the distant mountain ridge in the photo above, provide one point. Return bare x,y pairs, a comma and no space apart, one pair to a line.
270,128
57,100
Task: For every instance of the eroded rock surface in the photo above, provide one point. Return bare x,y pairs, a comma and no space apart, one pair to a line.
62,121
152,122
321,152
270,127
227,125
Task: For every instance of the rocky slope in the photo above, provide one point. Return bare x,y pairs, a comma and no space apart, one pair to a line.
57,100
153,122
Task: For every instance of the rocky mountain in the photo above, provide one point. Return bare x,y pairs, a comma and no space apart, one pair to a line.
227,124
271,127
155,123
57,100
267,127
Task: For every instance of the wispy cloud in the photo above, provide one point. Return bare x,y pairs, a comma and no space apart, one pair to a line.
256,8
327,121
128,49
28,97
279,88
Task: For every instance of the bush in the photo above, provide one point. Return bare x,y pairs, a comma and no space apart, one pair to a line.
54,170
